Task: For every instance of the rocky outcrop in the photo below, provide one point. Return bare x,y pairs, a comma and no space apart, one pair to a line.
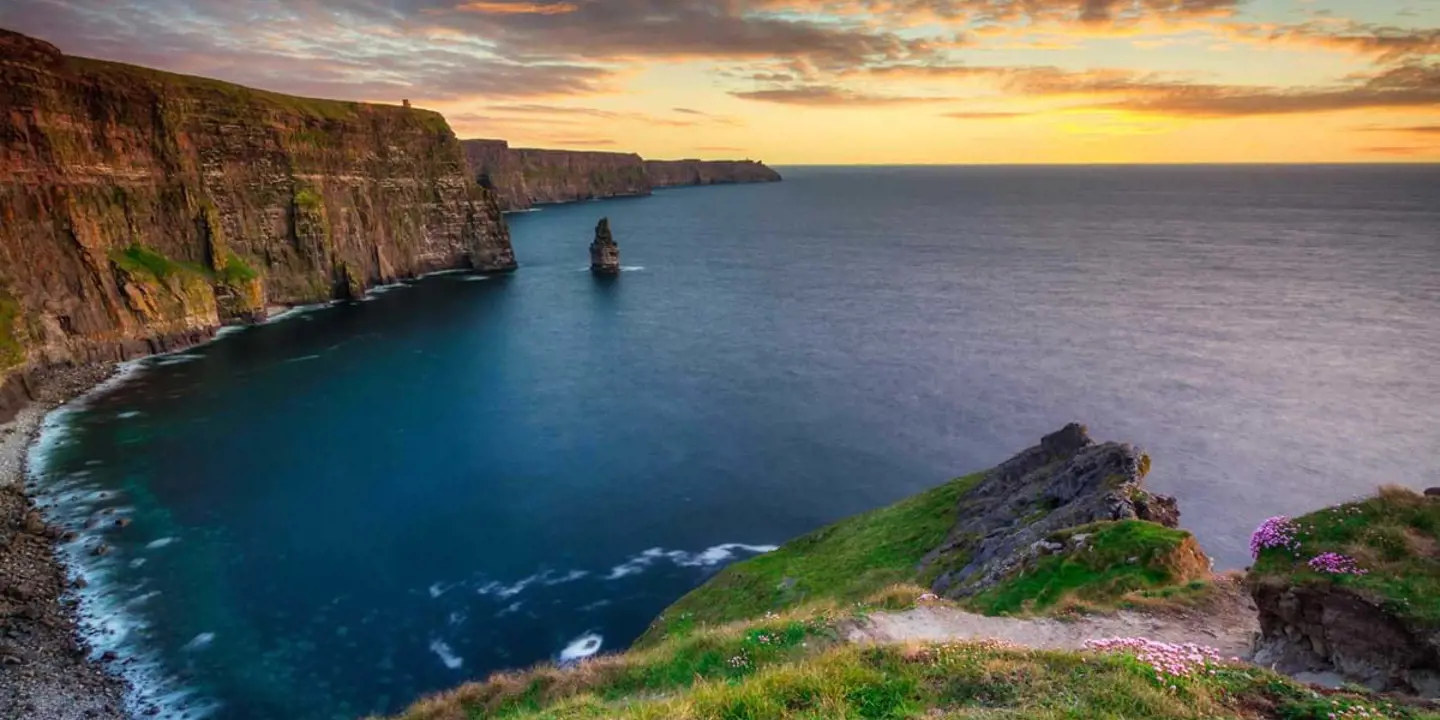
604,253
1064,482
140,210
683,173
1324,628
524,177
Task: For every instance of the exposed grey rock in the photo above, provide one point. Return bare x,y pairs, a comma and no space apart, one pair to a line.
604,253
1330,629
1064,482
1432,492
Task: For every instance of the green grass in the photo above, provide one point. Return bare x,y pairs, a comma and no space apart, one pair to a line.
141,260
12,350
800,674
723,655
847,561
306,198
236,272
1395,536
1117,559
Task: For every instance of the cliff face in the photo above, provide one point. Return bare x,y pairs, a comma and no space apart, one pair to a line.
140,210
679,173
524,177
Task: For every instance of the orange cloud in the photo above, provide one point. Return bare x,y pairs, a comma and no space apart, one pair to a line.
500,7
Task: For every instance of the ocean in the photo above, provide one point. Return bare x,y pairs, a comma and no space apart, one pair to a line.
336,512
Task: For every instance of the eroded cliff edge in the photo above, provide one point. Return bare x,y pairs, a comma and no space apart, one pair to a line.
525,177
140,210
684,173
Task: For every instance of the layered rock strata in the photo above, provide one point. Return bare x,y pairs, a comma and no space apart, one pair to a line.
141,210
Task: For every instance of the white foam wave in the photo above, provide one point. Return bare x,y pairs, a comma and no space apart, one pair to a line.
705,558
129,414
162,542
173,359
307,358
581,648
293,312
110,617
548,578
632,268
200,642
456,618
446,655
571,576
503,591
477,278
509,609
437,589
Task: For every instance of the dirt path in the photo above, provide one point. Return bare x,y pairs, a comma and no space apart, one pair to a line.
1227,623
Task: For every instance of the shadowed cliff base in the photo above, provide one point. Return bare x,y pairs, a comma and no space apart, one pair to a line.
525,177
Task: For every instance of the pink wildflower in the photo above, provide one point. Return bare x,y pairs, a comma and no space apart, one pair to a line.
1167,659
1335,564
1275,532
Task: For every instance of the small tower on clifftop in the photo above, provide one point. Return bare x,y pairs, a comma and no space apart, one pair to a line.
604,253
406,103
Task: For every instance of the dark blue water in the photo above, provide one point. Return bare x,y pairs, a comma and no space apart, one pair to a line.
337,512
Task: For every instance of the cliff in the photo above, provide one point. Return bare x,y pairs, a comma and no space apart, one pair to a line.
142,209
681,173
523,177
1354,590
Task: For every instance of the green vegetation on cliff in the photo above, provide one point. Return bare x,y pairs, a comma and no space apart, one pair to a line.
1101,565
142,261
1392,540
846,561
12,350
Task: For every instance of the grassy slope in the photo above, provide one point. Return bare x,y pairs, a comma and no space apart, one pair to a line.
795,667
1117,559
847,561
1395,536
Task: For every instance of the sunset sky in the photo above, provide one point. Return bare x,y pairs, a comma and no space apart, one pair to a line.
829,81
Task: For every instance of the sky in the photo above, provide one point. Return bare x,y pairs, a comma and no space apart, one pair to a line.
829,81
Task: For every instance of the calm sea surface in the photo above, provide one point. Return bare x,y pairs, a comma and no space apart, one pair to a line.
339,511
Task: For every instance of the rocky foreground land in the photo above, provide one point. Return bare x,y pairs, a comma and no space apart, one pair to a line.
45,673
1052,586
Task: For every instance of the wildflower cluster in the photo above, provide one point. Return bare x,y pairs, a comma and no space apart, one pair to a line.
1350,710
1275,532
1335,564
1170,661
740,662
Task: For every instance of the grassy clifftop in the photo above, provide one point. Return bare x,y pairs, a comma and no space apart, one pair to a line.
1385,547
845,562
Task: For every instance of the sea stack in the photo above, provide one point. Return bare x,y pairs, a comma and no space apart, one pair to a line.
604,253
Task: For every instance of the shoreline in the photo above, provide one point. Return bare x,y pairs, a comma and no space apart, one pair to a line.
47,666
46,672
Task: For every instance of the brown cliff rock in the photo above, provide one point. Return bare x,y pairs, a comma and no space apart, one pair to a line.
524,177
140,210
682,173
